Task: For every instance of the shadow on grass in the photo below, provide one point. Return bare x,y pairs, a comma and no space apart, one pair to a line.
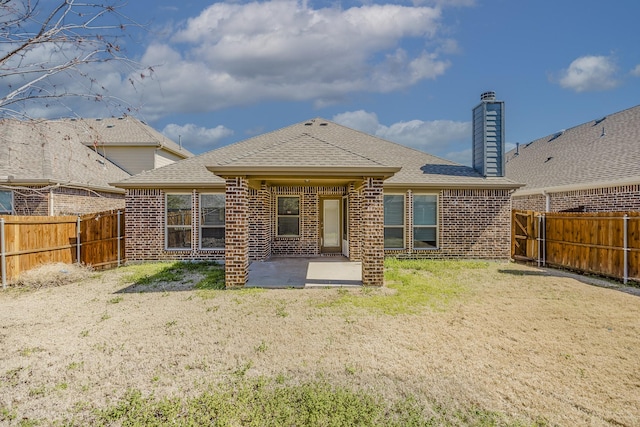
174,277
523,272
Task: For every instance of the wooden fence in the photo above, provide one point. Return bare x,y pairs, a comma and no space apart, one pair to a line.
29,241
603,243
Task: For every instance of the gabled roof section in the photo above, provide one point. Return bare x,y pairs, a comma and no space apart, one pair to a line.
602,152
122,131
45,152
317,144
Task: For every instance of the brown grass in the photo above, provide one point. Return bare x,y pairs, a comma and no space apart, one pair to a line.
532,346
51,275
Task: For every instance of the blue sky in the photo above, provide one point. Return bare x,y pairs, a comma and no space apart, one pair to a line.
410,72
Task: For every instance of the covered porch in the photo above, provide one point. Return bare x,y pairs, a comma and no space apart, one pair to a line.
255,220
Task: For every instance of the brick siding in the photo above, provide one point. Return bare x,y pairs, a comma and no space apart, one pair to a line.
236,232
372,236
608,199
472,224
66,201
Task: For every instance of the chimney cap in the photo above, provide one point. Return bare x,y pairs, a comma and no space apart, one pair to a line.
488,96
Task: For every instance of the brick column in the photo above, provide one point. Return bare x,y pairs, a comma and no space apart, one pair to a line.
372,220
355,238
236,247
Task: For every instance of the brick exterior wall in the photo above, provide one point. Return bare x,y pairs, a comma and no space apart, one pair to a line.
145,229
308,242
472,224
236,256
372,233
609,199
66,201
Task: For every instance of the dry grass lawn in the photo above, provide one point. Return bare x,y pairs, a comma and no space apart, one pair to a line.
538,349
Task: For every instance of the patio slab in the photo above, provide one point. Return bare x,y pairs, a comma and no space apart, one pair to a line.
304,272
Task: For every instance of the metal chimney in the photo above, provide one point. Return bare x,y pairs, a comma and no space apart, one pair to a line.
488,136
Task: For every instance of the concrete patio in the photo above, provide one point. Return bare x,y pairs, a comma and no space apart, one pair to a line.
304,272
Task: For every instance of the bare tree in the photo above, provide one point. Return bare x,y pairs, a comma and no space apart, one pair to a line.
51,50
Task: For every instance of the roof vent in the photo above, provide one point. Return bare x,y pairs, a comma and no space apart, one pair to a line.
308,124
110,126
324,124
488,96
556,135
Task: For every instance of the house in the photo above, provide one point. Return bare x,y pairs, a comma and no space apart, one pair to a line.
593,167
64,167
311,189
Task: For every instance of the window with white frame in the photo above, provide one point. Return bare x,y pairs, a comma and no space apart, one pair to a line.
212,221
6,202
393,221
178,214
288,213
425,221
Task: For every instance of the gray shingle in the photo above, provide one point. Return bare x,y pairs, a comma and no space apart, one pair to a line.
52,151
317,142
603,150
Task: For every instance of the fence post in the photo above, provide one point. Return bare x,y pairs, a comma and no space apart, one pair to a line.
544,240
3,262
539,238
119,238
78,240
625,220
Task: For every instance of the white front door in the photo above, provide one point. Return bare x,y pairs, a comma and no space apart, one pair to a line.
331,225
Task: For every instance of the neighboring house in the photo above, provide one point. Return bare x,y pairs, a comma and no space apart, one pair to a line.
129,143
316,188
593,167
46,168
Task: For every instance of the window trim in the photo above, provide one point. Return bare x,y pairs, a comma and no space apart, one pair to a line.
167,226
436,226
404,222
200,222
10,212
287,216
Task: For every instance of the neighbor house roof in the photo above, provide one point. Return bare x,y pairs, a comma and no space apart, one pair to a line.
44,153
123,131
603,152
317,146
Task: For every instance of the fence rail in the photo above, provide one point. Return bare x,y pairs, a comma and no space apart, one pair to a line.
603,243
29,241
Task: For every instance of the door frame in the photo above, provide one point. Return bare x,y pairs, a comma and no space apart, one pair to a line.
331,249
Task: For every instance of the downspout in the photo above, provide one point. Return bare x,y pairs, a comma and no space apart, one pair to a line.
51,210
547,203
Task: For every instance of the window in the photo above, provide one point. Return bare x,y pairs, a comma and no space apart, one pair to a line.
212,221
6,202
288,216
178,217
425,221
393,221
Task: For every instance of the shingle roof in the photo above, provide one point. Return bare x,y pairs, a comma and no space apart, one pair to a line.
318,143
604,150
119,131
51,152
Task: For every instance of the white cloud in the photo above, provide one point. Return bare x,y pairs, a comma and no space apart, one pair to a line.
238,54
196,138
590,73
636,71
437,137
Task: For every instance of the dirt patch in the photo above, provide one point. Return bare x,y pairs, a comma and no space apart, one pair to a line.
519,341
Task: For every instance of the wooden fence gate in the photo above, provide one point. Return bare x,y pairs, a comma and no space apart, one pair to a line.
29,241
603,243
